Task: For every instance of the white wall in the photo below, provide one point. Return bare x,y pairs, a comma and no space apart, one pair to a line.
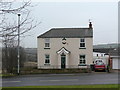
115,63
101,56
72,45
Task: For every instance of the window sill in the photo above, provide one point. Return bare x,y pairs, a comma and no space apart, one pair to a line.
47,64
82,48
82,65
46,48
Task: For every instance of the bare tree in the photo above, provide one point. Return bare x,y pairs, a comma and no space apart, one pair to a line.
9,27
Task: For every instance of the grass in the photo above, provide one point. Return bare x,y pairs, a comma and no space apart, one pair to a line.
7,75
72,86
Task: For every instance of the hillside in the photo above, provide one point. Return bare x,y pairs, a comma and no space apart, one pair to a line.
112,45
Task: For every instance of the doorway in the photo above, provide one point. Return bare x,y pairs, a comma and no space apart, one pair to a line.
63,60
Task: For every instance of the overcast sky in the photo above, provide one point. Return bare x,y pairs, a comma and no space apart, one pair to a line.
104,16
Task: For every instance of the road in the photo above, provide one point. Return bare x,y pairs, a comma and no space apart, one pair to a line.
61,79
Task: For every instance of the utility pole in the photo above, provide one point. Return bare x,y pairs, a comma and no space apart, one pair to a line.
18,71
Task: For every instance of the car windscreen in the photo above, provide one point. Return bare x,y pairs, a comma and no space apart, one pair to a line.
100,63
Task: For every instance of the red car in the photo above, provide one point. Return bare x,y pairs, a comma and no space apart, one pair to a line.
99,66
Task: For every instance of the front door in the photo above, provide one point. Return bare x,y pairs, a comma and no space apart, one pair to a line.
63,59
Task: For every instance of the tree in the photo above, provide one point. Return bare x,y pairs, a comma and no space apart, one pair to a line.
9,29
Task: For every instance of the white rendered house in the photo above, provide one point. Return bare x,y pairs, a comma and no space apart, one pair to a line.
61,48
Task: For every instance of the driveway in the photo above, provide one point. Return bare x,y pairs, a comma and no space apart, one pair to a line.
61,79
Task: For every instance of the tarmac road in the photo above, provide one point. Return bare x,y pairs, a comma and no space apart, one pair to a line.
61,79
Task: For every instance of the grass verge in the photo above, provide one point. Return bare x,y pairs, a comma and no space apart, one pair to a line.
72,86
7,75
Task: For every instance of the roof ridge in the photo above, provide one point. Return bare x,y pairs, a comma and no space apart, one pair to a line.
69,28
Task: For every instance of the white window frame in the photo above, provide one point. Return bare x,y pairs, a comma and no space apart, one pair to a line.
47,41
47,58
82,59
82,42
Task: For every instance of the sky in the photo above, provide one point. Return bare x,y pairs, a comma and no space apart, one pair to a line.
104,17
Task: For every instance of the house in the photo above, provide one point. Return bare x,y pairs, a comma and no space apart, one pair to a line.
61,48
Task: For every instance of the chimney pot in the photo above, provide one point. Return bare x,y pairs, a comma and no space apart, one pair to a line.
90,25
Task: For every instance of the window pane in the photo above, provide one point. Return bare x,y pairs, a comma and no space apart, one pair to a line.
82,59
82,56
47,45
45,61
47,42
82,44
82,40
47,58
48,61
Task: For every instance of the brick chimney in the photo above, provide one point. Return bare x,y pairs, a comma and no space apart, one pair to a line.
90,25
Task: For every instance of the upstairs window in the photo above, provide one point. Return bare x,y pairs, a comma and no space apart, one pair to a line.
82,43
47,59
47,43
82,59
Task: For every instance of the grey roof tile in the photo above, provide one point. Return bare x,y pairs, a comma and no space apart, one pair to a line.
67,33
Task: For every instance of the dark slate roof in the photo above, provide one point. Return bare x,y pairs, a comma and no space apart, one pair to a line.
67,33
114,52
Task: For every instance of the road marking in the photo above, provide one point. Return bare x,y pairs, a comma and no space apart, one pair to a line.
10,81
59,80
71,80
